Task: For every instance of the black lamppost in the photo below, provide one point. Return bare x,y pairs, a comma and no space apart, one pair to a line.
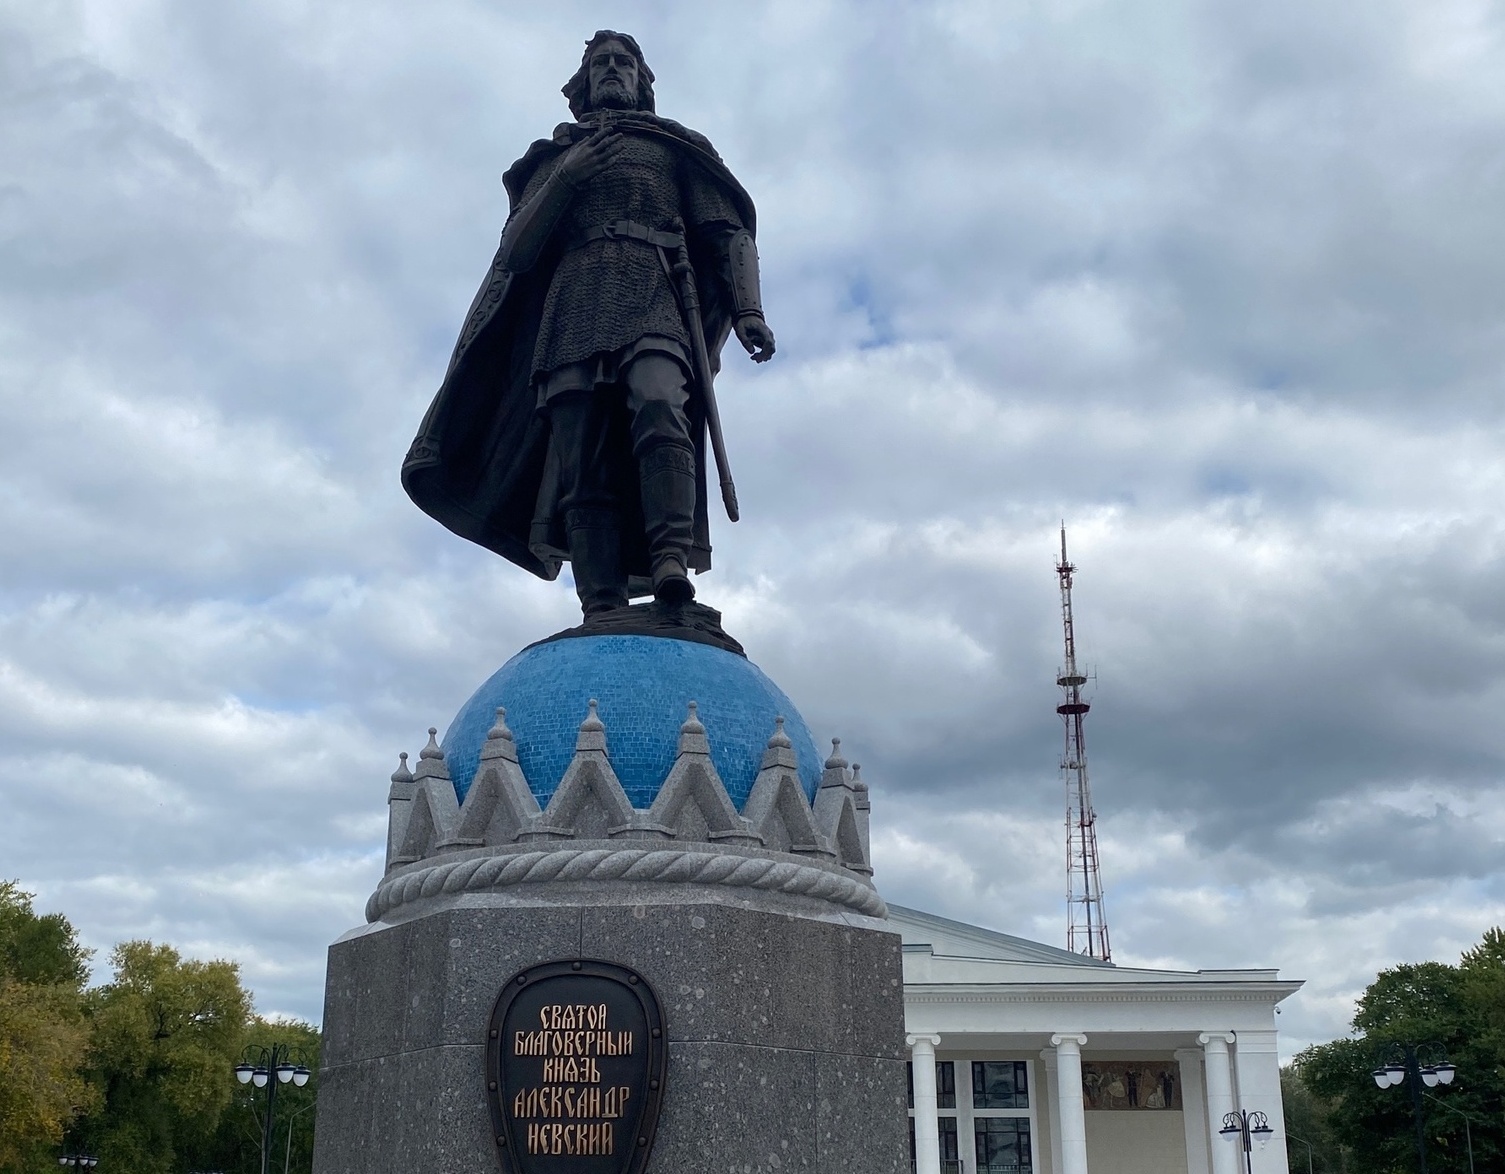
1406,1060
83,1160
267,1068
1247,1126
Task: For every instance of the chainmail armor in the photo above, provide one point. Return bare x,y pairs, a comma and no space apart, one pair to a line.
608,294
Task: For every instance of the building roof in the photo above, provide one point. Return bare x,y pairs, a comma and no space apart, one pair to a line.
942,952
957,939
1003,991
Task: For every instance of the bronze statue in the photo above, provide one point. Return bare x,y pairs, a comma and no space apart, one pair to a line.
571,423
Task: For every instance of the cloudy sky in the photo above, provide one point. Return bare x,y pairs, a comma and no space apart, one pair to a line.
1219,284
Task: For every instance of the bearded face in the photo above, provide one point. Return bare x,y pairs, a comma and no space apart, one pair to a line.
613,77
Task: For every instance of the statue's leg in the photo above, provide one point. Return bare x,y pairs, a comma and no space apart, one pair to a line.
657,394
580,423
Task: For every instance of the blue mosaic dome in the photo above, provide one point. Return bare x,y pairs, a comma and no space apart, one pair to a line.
644,685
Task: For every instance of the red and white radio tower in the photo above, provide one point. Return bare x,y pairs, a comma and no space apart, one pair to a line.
1086,923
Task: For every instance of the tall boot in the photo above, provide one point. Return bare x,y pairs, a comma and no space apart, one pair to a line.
667,474
596,559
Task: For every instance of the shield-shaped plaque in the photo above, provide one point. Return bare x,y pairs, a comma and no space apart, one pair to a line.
575,1062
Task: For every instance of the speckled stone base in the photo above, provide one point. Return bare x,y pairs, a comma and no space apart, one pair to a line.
785,1033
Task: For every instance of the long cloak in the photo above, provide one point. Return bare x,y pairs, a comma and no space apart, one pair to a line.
482,462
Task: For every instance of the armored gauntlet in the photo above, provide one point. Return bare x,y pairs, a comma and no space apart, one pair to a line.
742,266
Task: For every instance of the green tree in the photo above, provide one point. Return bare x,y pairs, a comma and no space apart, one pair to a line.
43,1033
38,948
1483,970
1462,1008
1306,1117
166,1033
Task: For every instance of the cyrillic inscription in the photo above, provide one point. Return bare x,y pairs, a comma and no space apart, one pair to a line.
576,1070
572,1043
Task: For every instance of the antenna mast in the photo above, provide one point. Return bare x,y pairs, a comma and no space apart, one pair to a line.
1086,923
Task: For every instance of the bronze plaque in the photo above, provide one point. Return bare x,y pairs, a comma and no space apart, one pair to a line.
575,1063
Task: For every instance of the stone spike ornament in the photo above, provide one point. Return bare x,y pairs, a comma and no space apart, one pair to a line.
692,739
777,809
592,736
862,804
780,750
499,840
499,740
399,807
499,804
837,813
692,803
589,802
432,818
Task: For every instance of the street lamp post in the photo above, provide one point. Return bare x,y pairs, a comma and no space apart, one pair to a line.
1303,1141
1246,1126
267,1068
1406,1060
1468,1136
287,1160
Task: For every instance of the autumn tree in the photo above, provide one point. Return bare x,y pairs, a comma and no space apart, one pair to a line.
43,1032
166,1033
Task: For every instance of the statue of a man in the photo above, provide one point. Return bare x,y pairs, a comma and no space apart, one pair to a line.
571,423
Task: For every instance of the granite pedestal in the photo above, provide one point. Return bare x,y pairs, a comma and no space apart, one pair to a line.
759,929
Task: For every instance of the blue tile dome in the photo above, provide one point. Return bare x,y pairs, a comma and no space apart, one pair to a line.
644,685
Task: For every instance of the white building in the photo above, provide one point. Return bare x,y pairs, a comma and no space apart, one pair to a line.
1027,1059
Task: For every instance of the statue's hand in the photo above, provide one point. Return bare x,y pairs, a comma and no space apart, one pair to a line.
755,337
586,160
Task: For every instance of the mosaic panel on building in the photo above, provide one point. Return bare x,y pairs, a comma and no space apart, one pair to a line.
1131,1084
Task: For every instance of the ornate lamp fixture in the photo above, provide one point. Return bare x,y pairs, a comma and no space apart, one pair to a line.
1405,1059
257,1066
1248,1128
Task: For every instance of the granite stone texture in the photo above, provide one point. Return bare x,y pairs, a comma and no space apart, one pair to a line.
785,1033
861,1114
644,686
414,1112
431,981
765,1118
783,980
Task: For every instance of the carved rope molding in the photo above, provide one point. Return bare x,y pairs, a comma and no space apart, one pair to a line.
673,866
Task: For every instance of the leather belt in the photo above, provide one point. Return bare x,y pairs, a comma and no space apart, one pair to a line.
626,230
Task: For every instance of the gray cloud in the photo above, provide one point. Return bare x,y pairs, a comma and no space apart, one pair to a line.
1220,288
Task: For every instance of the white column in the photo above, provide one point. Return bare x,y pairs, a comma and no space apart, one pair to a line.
1257,1065
1052,1107
1194,1109
1069,1102
927,1130
1227,1153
